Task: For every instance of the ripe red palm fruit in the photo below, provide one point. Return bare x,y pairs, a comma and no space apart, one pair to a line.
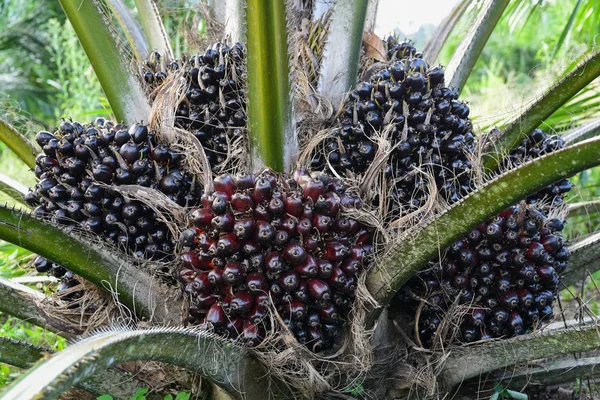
514,278
275,242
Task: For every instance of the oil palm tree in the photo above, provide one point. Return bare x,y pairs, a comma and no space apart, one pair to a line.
290,99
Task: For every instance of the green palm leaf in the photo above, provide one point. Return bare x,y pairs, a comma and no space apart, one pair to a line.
18,143
271,130
118,383
531,118
227,365
122,89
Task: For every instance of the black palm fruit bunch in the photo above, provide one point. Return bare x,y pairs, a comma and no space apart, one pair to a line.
427,127
535,145
79,165
67,279
270,240
506,272
214,106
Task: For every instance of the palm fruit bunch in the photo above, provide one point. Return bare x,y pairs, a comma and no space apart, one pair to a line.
427,127
272,241
67,280
79,165
214,107
535,145
506,272
155,70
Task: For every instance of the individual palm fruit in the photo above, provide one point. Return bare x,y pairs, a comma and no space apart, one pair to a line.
505,273
273,238
214,107
536,144
80,164
45,266
426,126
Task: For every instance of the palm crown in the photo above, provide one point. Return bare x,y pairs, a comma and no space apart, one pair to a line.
384,219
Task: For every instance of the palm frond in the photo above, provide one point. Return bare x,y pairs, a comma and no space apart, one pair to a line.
134,287
131,28
14,189
17,143
438,38
154,28
123,91
475,360
271,128
585,254
467,53
229,366
339,67
534,115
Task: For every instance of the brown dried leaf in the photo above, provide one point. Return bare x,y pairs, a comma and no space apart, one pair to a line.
374,47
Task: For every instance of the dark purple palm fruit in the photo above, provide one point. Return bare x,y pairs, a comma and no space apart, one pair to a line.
44,266
272,237
536,144
505,273
74,174
67,280
426,125
214,108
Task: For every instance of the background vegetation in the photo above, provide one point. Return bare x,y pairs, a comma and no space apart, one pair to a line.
45,76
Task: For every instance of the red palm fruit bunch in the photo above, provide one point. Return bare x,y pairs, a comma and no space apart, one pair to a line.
506,272
271,241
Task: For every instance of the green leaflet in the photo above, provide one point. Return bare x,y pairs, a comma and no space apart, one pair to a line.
121,87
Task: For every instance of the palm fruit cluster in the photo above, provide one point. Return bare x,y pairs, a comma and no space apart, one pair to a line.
214,107
535,145
67,279
427,127
79,165
505,272
268,238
